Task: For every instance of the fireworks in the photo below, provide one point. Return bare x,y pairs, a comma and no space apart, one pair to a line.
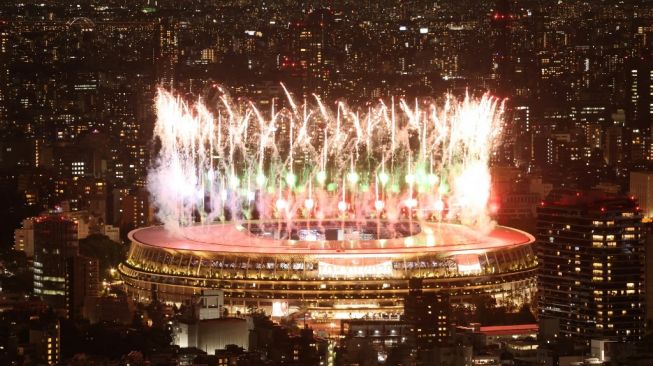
394,160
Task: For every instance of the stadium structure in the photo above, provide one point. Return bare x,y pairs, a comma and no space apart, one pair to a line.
334,269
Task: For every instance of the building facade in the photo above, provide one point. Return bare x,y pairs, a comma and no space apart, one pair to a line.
641,187
82,283
590,251
55,239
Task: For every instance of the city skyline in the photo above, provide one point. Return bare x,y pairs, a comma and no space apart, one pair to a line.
326,183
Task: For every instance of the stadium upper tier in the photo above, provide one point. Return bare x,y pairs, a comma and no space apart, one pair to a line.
332,264
324,238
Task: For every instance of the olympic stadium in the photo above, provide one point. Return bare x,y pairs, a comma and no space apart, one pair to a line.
334,269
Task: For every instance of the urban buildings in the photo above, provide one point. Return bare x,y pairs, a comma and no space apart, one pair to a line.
641,187
206,327
590,281
429,315
77,81
82,284
45,337
24,238
55,240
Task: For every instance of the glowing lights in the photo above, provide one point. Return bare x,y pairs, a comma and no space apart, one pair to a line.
309,203
383,178
430,240
494,207
468,264
352,177
251,196
234,181
291,179
432,179
438,205
260,179
410,203
410,179
379,205
281,204
230,156
443,188
382,269
321,177
342,206
280,309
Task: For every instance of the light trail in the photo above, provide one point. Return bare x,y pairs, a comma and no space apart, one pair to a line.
416,159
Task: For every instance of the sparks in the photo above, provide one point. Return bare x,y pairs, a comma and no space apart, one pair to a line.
234,158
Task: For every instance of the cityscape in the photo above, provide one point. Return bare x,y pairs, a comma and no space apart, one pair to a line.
327,183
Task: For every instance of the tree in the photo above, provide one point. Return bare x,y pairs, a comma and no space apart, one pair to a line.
108,252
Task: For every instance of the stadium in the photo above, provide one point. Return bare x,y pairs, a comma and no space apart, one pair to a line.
334,269
349,205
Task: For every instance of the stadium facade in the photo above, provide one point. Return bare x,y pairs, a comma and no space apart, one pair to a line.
334,269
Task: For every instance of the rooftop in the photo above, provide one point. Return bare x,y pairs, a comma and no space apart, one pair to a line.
237,238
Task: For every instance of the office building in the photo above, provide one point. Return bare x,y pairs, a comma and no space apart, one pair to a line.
55,239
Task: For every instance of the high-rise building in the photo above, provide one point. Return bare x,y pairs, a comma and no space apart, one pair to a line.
613,147
648,277
45,337
24,238
428,314
168,54
136,210
55,239
5,60
641,187
82,282
502,65
639,111
313,53
590,282
640,106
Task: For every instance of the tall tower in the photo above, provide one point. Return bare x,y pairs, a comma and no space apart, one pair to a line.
639,111
168,52
55,240
640,90
313,52
82,282
5,60
590,281
501,55
428,314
